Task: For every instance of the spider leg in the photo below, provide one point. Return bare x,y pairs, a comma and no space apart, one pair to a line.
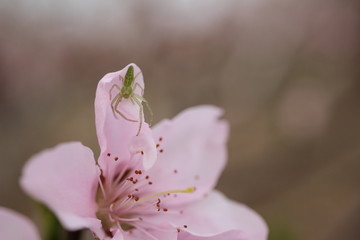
138,85
147,106
137,75
135,84
112,88
114,101
132,101
114,108
140,113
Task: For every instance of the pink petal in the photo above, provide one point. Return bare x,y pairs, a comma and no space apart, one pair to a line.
14,226
151,234
118,235
192,152
142,147
116,133
216,216
229,235
65,178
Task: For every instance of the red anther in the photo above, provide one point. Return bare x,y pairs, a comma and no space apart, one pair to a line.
158,209
175,171
136,189
178,229
136,172
129,196
136,198
160,139
150,183
161,150
142,152
185,226
116,158
147,177
165,209
157,145
139,171
108,154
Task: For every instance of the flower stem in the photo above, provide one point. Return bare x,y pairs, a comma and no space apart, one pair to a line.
74,235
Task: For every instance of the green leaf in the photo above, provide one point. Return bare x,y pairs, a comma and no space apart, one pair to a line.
52,229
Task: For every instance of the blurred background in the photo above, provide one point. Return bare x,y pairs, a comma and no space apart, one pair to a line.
286,73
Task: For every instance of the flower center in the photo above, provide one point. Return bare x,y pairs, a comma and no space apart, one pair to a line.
126,200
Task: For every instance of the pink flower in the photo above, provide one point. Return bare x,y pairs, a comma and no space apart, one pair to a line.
14,226
158,185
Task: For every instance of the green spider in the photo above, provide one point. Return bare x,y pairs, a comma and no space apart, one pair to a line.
127,91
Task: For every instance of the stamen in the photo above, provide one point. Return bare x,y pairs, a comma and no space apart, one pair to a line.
125,219
127,203
145,232
187,190
100,180
179,228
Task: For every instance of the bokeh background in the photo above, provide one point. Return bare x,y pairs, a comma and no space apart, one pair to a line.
286,73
